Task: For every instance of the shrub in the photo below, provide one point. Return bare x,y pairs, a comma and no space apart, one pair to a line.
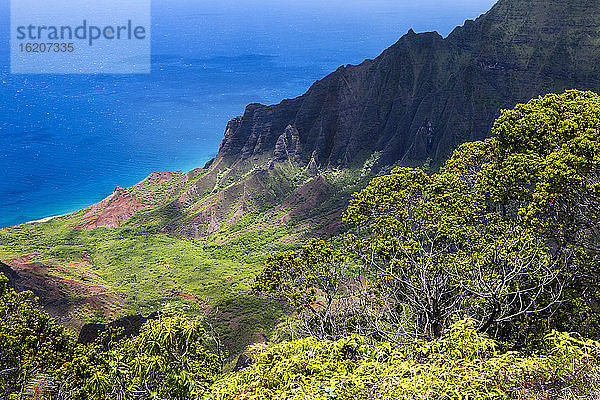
463,364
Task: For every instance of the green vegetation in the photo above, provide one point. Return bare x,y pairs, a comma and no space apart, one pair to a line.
149,269
505,235
142,272
463,364
171,359
168,359
31,342
452,285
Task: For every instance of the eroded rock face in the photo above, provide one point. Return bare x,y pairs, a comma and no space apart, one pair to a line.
426,94
287,147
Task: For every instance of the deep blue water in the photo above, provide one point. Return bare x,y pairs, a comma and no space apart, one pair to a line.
66,141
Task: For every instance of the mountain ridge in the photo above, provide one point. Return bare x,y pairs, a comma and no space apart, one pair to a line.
285,172
427,94
412,105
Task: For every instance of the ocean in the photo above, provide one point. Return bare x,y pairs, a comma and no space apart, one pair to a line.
66,141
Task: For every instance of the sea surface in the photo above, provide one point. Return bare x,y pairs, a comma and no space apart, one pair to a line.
66,141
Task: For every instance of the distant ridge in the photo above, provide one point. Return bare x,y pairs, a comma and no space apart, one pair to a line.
285,172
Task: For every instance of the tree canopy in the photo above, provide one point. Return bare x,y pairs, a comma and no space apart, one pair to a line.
495,251
508,231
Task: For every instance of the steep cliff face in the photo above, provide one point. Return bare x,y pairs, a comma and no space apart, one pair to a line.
416,102
427,94
277,176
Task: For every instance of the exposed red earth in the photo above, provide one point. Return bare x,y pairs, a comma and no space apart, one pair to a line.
64,298
200,216
122,204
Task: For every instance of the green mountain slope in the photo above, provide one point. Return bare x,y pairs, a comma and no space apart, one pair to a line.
286,171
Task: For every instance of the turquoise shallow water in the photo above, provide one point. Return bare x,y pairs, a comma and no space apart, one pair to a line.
67,141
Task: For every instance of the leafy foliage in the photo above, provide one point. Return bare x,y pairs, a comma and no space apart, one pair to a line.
32,343
463,364
168,360
496,236
313,280
463,268
548,159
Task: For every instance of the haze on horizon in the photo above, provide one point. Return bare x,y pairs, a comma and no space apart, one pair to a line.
423,15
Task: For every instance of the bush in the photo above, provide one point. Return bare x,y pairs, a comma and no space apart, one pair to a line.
463,364
32,345
168,360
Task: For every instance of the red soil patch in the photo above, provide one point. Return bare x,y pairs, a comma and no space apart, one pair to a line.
113,211
122,204
187,296
61,297
21,260
303,200
203,305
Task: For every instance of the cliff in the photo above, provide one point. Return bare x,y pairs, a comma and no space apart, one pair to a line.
426,94
412,105
286,171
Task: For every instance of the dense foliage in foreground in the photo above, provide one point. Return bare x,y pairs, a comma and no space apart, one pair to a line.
463,364
170,360
453,285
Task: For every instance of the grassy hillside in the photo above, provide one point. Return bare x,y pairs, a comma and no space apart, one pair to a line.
85,272
452,285
140,272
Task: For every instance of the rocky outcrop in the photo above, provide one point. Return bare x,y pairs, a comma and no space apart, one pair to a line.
243,361
426,94
287,147
124,327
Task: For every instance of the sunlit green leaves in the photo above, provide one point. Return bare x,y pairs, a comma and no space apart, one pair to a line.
31,342
167,361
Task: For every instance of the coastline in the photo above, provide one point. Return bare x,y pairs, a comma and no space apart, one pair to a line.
46,219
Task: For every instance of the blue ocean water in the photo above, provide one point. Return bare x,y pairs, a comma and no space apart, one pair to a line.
66,141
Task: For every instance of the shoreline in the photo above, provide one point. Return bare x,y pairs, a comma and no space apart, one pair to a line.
46,219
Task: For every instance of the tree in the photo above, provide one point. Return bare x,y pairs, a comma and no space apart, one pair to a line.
548,158
314,281
507,230
436,254
168,360
32,344
548,163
